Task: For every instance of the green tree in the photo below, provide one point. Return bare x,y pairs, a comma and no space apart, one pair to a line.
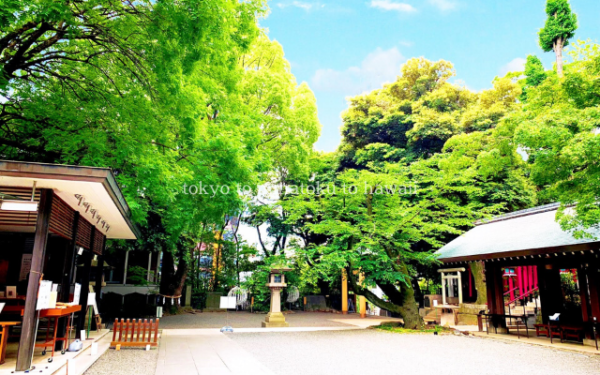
558,128
559,28
534,70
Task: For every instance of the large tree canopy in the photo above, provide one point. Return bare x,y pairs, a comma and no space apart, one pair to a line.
179,98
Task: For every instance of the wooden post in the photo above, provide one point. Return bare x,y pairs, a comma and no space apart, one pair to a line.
444,289
125,268
495,295
149,266
30,315
67,278
344,292
583,295
99,278
85,286
362,299
550,295
594,288
460,291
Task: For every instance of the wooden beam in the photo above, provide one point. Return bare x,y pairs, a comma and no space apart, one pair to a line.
30,314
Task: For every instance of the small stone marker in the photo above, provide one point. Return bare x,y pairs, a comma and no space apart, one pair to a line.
94,348
118,347
147,347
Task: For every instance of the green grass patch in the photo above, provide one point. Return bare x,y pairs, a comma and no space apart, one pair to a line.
396,328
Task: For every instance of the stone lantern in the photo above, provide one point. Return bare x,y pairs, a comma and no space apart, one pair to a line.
276,283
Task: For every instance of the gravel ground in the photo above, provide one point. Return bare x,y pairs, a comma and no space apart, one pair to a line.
248,320
127,361
376,352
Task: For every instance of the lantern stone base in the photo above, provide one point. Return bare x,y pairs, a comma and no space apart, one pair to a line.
275,319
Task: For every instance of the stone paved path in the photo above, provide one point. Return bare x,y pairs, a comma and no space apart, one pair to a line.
359,352
204,351
248,320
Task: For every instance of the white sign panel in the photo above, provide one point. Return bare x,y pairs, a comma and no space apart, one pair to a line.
25,266
92,302
77,293
43,301
227,303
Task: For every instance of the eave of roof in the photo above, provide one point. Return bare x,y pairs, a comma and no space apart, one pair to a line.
522,233
102,176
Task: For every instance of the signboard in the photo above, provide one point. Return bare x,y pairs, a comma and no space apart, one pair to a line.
77,293
43,300
25,266
509,272
227,303
92,302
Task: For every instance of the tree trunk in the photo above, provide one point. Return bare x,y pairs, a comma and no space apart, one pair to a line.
401,302
172,282
478,271
558,50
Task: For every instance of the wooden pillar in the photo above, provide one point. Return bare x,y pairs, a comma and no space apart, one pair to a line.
67,278
550,294
30,315
362,299
444,289
511,287
344,292
530,273
594,288
125,268
495,295
99,279
525,280
583,295
520,279
85,286
460,291
100,274
149,266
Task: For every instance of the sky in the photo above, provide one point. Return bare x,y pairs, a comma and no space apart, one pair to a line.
343,48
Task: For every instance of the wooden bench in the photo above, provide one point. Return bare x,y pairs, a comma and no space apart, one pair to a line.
541,330
571,332
133,333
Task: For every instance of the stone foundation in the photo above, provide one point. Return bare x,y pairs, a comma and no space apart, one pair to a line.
275,319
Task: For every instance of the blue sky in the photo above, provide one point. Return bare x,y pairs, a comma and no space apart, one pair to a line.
344,48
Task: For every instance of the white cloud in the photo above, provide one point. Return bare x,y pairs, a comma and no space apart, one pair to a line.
443,4
406,43
302,5
391,5
516,65
379,67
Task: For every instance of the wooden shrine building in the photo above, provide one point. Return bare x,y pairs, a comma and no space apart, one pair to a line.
54,221
562,271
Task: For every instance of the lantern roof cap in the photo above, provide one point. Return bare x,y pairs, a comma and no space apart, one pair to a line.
278,268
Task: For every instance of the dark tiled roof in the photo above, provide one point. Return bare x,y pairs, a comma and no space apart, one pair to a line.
524,230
